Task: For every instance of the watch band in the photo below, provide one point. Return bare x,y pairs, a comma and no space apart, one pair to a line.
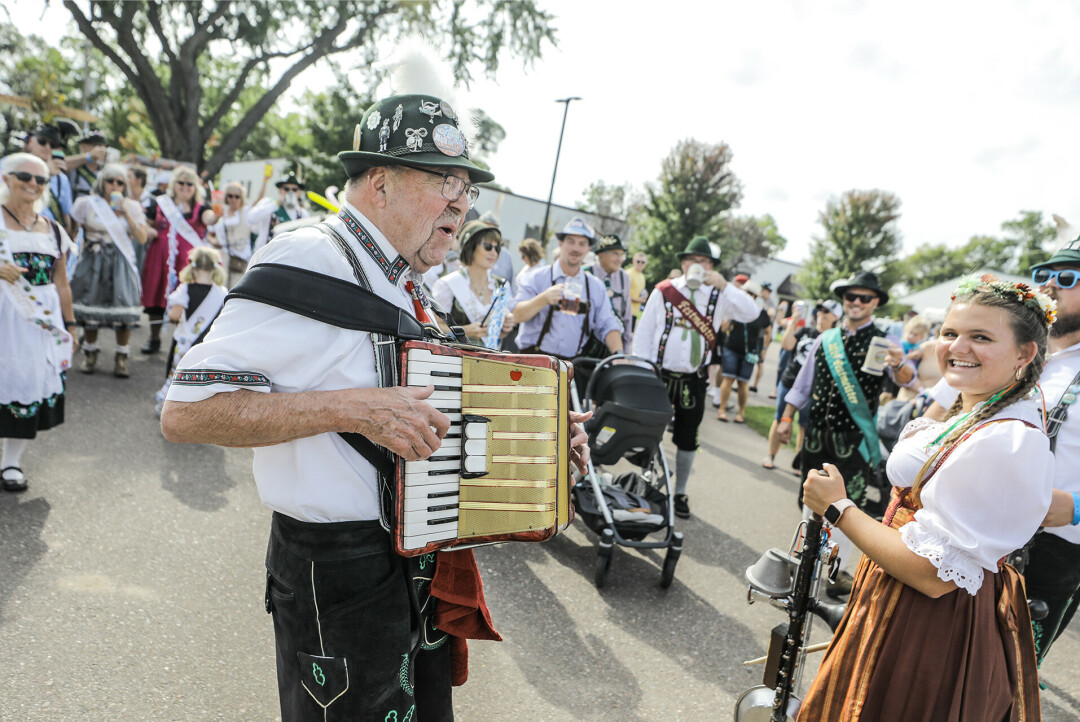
837,509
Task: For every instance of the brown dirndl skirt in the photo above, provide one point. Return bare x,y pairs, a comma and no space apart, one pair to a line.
901,655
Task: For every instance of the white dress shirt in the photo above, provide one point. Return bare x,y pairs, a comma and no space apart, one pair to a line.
732,303
1060,369
986,499
262,348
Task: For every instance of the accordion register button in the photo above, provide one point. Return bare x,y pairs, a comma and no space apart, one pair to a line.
476,464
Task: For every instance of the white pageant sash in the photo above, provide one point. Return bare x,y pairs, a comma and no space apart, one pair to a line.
25,299
177,225
115,227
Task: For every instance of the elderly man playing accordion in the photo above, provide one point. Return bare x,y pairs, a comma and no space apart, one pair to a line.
353,621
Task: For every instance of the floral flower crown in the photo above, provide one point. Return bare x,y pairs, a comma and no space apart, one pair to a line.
1020,292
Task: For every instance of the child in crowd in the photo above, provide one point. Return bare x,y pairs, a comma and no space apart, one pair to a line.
194,304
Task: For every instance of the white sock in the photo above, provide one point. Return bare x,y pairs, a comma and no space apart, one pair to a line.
126,350
12,452
684,462
90,347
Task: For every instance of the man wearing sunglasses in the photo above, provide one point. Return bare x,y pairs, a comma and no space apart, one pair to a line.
840,422
354,624
267,214
47,141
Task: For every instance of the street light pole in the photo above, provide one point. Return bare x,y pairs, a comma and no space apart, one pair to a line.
547,210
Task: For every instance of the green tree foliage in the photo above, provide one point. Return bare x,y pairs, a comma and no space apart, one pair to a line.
615,205
206,73
747,240
695,191
930,265
1030,235
860,235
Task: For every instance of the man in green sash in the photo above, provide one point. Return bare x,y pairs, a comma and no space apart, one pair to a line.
265,215
843,395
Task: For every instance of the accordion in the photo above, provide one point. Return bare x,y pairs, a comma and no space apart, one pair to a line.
503,470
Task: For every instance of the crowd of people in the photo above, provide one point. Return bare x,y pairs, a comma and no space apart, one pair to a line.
977,468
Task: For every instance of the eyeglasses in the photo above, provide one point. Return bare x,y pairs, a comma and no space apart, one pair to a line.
1066,277
42,140
453,187
290,189
489,246
116,181
863,298
636,262
231,196
26,177
186,184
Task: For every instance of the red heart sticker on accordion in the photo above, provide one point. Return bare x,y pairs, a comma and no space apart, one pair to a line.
515,375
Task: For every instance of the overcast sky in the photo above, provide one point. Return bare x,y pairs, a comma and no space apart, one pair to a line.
966,110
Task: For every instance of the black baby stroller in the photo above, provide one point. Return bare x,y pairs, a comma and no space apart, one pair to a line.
631,413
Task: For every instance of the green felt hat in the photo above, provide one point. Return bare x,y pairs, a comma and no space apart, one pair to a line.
1067,254
700,246
410,130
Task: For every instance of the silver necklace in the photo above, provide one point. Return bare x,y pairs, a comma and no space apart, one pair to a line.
27,228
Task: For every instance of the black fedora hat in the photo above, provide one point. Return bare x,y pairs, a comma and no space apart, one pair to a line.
290,179
57,133
610,242
403,130
861,279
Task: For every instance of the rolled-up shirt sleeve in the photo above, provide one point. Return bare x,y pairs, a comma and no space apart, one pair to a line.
987,499
736,304
261,348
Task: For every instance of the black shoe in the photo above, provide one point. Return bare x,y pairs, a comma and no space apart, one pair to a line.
15,484
153,345
682,506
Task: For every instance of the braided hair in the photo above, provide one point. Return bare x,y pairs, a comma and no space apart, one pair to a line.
1029,325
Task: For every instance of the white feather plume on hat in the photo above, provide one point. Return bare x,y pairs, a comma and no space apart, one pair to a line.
417,68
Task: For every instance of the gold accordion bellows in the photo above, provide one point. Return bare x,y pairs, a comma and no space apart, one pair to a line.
503,471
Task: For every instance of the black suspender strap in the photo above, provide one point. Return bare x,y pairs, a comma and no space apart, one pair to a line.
1057,416
386,366
326,299
551,312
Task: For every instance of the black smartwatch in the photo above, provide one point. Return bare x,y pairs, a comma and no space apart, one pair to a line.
837,509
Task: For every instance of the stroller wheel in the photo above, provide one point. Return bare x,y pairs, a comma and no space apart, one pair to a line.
667,574
604,551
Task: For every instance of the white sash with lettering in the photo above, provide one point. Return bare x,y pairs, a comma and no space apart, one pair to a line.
33,305
177,225
115,227
194,323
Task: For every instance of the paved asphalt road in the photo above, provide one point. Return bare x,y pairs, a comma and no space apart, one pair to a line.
131,580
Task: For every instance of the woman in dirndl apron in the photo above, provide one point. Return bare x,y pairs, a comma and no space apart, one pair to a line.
937,626
35,314
105,284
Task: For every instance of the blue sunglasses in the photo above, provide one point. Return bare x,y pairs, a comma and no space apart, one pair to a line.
1066,277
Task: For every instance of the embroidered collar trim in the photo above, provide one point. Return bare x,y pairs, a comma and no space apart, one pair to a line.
393,270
